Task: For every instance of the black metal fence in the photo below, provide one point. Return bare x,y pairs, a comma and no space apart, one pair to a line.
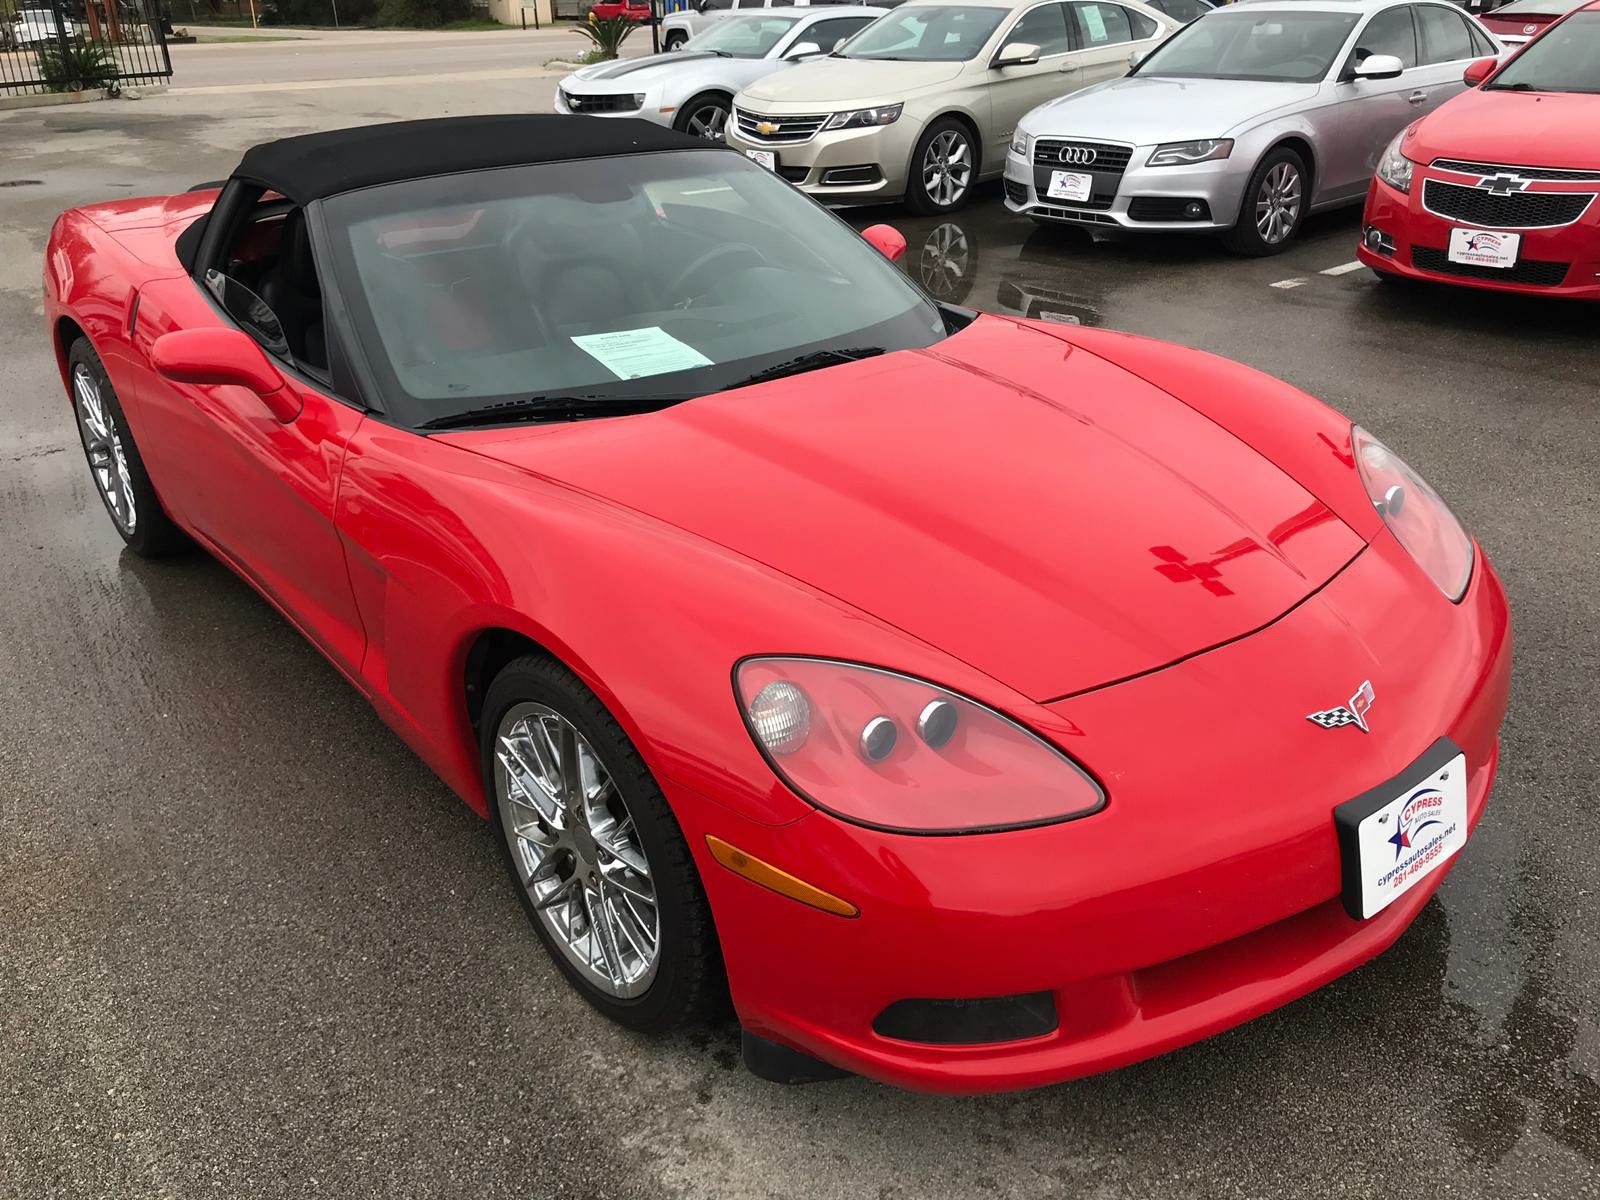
81,45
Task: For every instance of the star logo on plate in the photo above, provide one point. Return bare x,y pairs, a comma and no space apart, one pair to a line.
1353,713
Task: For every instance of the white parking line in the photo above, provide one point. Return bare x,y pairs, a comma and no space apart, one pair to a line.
1343,268
1290,283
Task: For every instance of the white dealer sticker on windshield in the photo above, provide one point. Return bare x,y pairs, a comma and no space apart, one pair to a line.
635,353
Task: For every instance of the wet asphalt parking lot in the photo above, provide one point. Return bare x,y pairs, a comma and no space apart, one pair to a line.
249,946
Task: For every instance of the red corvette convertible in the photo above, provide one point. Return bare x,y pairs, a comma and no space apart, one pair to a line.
980,702
1498,188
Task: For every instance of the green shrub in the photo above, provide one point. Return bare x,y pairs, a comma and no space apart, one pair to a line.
423,14
607,35
80,66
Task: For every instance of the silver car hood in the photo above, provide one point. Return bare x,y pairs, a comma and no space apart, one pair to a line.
643,70
1144,111
827,84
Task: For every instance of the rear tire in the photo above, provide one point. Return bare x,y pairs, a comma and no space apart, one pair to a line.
628,818
1274,205
115,465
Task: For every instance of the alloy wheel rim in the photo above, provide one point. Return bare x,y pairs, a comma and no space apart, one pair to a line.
102,442
947,168
1278,203
577,850
708,121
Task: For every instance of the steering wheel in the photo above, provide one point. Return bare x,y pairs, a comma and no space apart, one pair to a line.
680,285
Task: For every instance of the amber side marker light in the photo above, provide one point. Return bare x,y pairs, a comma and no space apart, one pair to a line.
771,878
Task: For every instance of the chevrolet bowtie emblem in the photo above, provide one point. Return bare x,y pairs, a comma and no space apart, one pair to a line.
767,127
1503,184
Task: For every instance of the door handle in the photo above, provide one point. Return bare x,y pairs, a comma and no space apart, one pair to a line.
1416,97
1069,66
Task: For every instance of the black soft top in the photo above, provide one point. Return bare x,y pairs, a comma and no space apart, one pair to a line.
315,165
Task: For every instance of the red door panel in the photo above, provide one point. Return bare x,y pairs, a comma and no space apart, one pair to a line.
260,491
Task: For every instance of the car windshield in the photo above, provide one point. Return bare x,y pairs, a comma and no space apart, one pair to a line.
926,33
1567,59
1269,46
1537,8
651,276
743,37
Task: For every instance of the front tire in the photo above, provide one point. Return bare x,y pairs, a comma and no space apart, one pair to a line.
1274,205
675,40
705,116
595,854
944,168
114,461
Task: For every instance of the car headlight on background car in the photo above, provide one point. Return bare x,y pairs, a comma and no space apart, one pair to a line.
1019,143
896,752
1419,520
862,118
1183,154
1394,168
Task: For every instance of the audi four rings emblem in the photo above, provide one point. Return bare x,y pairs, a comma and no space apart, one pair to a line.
1080,156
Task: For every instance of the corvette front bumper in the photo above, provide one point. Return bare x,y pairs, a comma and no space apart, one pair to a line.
1205,893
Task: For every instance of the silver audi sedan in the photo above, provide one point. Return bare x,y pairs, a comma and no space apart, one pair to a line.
1245,120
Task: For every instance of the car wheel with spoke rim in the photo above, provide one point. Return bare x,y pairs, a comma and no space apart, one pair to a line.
1274,205
597,858
705,116
675,41
114,461
943,168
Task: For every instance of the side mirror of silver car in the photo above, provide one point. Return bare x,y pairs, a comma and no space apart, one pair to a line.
1137,57
803,49
1016,54
1379,66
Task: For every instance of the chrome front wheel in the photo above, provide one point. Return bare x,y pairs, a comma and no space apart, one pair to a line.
577,849
946,168
706,120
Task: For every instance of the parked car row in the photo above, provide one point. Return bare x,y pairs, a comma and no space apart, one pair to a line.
1239,123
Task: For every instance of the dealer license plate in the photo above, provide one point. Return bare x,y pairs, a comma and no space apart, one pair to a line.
1482,248
1069,185
766,158
1394,837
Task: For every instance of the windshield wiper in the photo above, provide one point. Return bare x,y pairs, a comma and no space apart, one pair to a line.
816,360
555,408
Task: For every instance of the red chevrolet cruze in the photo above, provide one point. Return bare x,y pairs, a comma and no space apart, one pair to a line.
1497,188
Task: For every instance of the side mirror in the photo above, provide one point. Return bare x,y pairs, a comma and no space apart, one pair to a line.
702,5
886,240
1379,66
1016,54
217,357
803,49
1477,72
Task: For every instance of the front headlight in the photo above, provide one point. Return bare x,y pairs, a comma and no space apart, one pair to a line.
1019,143
1183,154
862,118
1395,168
899,753
1419,520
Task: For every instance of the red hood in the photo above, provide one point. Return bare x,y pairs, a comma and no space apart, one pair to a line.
1032,509
1522,129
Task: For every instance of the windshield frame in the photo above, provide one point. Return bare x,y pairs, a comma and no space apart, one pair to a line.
1357,22
1536,47
1003,20
348,312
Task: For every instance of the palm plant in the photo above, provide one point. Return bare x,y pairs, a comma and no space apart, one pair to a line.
607,34
75,65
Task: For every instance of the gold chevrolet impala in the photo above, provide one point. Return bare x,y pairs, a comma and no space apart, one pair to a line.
921,104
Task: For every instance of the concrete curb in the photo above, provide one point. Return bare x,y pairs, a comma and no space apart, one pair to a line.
51,99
